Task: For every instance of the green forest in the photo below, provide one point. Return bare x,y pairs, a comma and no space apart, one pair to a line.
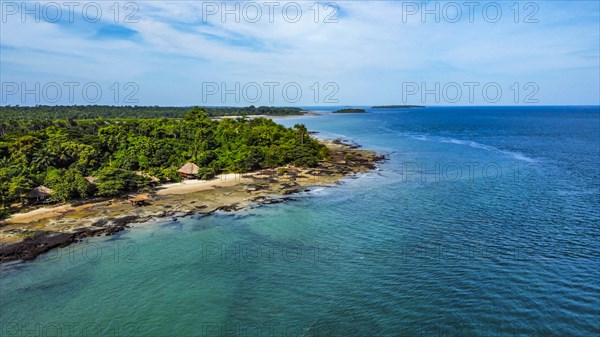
45,112
120,155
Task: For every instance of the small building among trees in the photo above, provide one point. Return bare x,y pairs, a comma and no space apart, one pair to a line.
91,180
40,193
189,171
139,200
153,180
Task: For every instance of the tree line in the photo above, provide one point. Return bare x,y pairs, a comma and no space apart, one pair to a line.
46,112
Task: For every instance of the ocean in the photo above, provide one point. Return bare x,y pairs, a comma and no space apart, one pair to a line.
483,221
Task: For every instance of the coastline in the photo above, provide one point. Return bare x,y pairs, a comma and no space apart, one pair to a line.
24,236
305,113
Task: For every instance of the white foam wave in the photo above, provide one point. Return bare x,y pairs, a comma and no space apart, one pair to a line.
476,145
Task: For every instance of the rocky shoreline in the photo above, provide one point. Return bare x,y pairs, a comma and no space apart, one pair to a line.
27,240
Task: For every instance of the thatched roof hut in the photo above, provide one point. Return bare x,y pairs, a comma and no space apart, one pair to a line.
188,170
153,179
139,199
40,193
91,180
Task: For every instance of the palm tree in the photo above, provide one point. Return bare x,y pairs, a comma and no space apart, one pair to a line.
43,158
61,153
302,131
4,162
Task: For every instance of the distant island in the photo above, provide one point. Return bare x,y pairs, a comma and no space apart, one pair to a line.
397,106
350,111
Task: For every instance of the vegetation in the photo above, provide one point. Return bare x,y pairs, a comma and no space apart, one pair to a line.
46,112
349,111
82,158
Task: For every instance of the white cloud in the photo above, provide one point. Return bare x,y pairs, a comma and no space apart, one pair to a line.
367,52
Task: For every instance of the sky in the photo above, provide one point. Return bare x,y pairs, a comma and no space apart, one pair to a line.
360,53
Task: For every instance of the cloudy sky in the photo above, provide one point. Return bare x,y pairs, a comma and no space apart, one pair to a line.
300,53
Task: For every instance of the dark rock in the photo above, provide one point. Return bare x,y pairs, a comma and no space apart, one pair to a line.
100,223
124,220
291,191
34,245
229,208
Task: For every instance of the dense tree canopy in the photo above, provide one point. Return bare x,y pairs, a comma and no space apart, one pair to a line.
46,112
81,158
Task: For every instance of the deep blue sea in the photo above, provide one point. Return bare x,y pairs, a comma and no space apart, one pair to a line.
484,221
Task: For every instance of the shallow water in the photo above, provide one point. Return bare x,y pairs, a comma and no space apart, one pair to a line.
483,222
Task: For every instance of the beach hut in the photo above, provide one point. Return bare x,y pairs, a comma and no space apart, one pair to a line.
153,180
139,199
188,171
40,193
91,180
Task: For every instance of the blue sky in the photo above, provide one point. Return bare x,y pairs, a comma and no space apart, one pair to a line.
375,52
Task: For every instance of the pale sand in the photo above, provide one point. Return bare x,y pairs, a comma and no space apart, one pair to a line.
193,185
185,187
239,116
309,113
37,214
46,212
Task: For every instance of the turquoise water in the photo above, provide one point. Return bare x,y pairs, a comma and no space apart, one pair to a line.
483,222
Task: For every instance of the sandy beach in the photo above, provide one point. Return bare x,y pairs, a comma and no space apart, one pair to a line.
195,185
